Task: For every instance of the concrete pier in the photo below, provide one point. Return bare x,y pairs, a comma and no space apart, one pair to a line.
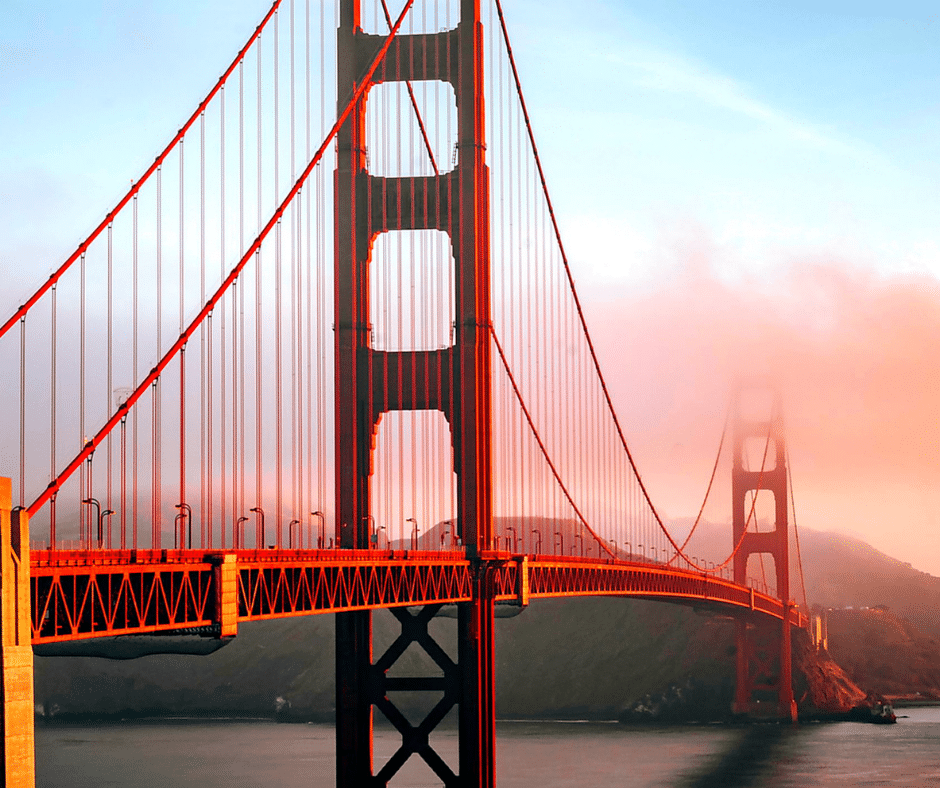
16,651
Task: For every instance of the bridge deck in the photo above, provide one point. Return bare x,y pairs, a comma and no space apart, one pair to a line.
79,594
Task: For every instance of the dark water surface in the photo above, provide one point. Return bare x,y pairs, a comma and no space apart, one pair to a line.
253,754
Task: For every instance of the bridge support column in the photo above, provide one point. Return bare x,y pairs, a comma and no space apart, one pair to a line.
354,699
16,651
468,682
764,687
476,650
225,570
453,380
785,700
764,666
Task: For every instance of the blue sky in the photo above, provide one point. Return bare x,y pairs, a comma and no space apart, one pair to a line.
729,141
772,128
776,128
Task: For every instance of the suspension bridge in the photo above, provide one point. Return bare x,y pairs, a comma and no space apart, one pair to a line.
326,356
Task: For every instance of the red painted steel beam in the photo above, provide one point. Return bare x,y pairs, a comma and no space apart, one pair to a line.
78,594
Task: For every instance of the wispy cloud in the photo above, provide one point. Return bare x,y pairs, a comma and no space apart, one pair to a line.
663,71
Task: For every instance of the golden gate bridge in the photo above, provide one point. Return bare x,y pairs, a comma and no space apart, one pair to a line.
326,356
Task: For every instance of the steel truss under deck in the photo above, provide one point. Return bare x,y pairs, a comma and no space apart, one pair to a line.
77,594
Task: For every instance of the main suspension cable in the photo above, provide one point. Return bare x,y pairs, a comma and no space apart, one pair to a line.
577,301
153,376
136,185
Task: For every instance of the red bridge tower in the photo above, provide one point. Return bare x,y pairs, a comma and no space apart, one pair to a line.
761,673
454,380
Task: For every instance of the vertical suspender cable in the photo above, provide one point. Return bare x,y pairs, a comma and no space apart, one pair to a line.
305,263
123,483
83,518
238,308
134,339
223,401
53,347
22,411
205,337
206,379
182,491
258,325
295,426
155,506
321,289
278,239
109,404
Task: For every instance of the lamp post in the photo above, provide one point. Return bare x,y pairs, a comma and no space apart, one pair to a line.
514,536
185,511
290,534
580,536
94,502
105,513
414,533
322,525
561,538
260,512
538,540
240,532
176,529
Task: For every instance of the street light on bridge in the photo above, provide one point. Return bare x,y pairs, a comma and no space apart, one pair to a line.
260,542
538,540
99,516
105,513
414,533
185,511
240,532
322,525
290,534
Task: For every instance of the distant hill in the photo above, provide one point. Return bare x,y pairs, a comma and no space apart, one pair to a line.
841,571
845,572
590,657
885,653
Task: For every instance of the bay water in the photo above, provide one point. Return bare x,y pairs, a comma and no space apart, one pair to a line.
253,753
